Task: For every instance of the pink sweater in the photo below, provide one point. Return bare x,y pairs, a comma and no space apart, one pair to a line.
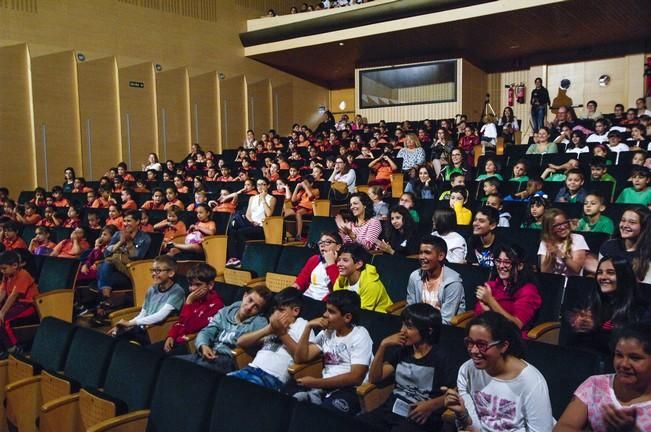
367,234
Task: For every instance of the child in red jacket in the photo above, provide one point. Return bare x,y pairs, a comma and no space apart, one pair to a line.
320,272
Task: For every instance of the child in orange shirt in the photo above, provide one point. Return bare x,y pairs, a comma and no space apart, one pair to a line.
72,247
171,227
191,247
17,292
39,197
128,203
104,199
9,209
156,202
58,200
74,218
294,175
122,172
115,217
179,184
302,200
9,236
50,218
41,243
30,216
200,197
145,226
94,221
79,186
173,199
226,203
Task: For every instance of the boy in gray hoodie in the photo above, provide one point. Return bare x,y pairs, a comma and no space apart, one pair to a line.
215,342
434,283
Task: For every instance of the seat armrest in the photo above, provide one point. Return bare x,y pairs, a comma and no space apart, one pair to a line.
59,402
241,357
461,320
133,421
397,307
364,389
122,313
23,383
312,368
256,281
541,329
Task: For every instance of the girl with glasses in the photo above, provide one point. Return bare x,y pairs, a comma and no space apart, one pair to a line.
561,251
513,293
497,376
317,277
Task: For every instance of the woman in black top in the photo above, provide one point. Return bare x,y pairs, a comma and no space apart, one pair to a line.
400,233
539,102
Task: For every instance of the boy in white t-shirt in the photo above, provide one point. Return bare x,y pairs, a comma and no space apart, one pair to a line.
346,348
270,366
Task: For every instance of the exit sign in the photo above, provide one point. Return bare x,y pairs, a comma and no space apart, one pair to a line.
137,84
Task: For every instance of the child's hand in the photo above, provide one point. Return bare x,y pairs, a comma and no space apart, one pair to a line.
318,322
207,353
308,381
420,411
396,339
169,344
484,294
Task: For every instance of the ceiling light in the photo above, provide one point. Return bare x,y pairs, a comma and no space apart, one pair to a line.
341,44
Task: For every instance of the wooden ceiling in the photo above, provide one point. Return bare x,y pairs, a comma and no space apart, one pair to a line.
561,32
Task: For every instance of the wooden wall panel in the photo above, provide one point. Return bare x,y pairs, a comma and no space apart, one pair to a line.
260,106
173,97
138,114
283,108
473,91
99,109
56,116
17,164
204,109
336,97
232,99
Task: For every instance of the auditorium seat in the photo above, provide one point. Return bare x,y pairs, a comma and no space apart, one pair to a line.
183,398
245,407
258,259
130,381
86,363
290,262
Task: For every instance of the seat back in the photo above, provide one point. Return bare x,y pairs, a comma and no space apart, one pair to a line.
237,396
451,341
292,259
260,258
379,325
563,381
312,308
57,273
132,374
394,271
140,279
313,418
229,293
551,288
183,397
155,245
88,357
214,247
51,343
319,225
472,276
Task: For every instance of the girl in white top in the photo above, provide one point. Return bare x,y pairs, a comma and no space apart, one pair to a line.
561,251
445,224
152,163
489,131
497,389
344,173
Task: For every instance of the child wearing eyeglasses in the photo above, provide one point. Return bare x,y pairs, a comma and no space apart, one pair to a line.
316,279
561,251
163,297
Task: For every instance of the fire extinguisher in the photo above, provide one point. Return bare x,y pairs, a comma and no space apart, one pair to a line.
520,92
511,94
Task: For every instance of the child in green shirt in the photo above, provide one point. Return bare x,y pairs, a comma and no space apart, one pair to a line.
639,193
593,220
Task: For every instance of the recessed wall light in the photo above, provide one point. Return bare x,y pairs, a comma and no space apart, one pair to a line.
341,44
